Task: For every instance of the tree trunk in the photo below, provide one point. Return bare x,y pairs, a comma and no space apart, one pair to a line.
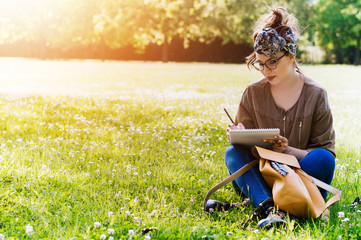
357,54
43,51
338,54
165,51
102,49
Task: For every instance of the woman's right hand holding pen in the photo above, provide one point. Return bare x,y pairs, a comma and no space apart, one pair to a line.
232,126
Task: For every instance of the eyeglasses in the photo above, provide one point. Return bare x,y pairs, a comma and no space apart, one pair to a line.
270,64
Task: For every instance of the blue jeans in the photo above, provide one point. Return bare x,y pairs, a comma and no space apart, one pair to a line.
318,163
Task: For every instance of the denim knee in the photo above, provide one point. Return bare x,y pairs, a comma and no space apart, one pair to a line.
236,154
324,157
229,151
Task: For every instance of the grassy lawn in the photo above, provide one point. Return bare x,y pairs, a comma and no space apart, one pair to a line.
94,150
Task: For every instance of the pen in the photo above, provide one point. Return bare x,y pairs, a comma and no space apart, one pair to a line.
228,115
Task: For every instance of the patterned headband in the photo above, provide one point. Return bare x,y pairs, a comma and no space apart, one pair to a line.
268,42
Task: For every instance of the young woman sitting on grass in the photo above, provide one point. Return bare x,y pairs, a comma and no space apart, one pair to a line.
286,99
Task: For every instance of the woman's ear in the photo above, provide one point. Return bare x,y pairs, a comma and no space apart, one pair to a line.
292,58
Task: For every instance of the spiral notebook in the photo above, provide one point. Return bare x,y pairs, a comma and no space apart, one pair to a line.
253,137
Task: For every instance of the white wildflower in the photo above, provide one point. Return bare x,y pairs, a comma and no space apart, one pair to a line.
229,233
127,213
29,230
147,237
341,214
2,236
97,224
110,214
345,220
194,229
103,236
131,232
146,199
181,189
111,231
111,238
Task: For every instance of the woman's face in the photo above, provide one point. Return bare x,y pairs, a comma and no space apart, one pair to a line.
283,63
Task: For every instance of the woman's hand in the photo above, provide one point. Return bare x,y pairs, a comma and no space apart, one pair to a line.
280,144
232,126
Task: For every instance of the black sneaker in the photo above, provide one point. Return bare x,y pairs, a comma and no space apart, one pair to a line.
214,205
275,217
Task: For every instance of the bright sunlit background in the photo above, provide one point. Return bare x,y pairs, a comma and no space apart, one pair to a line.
163,29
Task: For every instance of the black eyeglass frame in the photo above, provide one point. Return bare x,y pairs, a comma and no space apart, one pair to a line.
265,64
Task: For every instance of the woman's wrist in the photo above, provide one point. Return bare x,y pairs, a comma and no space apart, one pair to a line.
298,153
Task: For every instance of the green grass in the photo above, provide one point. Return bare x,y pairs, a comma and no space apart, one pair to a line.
145,141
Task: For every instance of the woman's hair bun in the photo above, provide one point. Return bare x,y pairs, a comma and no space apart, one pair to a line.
280,20
276,18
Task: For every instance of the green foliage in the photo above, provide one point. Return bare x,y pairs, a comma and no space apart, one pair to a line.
69,24
137,145
338,26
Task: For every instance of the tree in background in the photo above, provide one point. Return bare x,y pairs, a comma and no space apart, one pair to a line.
338,27
114,24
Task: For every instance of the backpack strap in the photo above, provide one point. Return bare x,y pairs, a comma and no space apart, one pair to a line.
330,189
246,167
228,180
